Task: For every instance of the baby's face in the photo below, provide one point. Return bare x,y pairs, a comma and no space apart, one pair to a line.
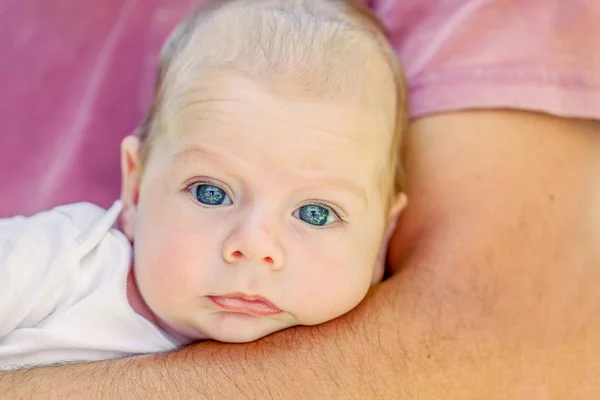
257,213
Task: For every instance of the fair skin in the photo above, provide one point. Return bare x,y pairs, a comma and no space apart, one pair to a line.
494,293
254,213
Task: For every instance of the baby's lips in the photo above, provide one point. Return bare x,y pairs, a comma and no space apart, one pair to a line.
254,305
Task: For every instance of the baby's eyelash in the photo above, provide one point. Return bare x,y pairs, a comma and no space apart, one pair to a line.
204,181
339,216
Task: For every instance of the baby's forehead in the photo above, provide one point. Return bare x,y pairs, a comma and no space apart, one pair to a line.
223,95
230,109
367,92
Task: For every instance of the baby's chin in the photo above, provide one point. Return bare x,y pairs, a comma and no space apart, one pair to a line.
230,327
227,327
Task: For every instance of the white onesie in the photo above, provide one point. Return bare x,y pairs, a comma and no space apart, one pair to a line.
63,281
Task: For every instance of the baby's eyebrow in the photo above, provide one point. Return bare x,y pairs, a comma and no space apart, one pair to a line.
204,153
352,187
196,151
343,183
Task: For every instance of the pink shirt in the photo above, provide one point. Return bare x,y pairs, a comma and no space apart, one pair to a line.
76,78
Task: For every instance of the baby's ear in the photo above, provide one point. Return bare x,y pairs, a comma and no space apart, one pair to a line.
130,184
396,208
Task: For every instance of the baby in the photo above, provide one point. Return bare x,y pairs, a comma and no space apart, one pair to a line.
259,194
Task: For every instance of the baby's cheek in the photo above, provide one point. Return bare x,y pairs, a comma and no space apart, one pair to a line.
328,290
162,270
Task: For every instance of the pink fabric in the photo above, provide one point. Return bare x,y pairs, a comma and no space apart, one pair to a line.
541,55
76,77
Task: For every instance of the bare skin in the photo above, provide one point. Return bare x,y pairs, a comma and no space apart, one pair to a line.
494,295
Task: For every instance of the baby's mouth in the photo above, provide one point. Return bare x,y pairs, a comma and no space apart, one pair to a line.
241,303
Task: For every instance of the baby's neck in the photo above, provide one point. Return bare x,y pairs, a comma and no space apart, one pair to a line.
136,302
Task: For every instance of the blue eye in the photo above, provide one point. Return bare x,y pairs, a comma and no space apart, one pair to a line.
314,214
210,195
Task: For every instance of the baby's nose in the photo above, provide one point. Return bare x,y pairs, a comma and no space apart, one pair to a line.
237,256
244,246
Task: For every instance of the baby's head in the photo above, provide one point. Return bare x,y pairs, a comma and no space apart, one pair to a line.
264,185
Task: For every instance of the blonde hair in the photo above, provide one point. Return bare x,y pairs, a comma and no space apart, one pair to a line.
307,42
